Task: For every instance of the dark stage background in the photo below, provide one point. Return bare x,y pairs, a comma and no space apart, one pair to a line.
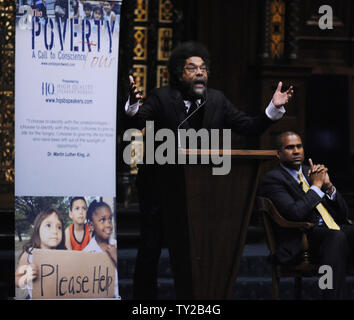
253,45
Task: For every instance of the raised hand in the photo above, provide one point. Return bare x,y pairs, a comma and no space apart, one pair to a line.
282,98
134,93
318,174
327,184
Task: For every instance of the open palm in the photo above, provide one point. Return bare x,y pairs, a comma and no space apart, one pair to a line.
282,98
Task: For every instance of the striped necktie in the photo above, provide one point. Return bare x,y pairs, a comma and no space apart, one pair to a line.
327,218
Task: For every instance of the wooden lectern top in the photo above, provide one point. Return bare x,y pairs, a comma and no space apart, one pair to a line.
233,152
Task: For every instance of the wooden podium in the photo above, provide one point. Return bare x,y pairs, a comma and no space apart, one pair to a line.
219,208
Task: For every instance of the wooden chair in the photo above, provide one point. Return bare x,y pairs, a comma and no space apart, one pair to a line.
304,268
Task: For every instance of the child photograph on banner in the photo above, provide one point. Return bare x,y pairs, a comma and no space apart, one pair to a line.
46,268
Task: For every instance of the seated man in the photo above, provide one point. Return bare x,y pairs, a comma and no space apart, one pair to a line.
305,193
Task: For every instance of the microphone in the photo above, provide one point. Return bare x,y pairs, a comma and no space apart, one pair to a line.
188,117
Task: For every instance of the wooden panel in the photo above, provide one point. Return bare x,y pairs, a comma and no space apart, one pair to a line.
325,51
219,210
141,40
310,16
140,75
277,28
351,85
294,118
141,12
329,46
235,153
166,11
162,76
229,29
164,43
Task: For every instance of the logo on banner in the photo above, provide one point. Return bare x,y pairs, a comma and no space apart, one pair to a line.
47,88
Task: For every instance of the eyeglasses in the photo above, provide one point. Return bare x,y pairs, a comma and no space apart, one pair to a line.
193,69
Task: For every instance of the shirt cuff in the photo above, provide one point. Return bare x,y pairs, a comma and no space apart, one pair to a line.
318,191
131,110
274,113
333,195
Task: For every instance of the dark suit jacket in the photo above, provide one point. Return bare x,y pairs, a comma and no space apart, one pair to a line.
295,205
165,183
166,107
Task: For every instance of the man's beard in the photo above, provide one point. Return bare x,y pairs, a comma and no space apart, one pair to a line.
190,91
199,92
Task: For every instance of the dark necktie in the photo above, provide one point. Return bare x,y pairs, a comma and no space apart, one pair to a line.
192,107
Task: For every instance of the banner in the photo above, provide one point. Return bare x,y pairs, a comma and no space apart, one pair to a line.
73,274
65,116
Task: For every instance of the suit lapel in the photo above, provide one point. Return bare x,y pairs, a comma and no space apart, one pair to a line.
178,106
305,169
291,181
208,111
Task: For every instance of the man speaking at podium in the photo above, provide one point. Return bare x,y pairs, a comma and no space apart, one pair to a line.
187,102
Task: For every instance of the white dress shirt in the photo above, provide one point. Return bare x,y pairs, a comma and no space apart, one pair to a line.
271,111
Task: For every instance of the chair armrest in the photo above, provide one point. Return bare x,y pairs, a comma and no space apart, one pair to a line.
291,224
265,204
270,212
